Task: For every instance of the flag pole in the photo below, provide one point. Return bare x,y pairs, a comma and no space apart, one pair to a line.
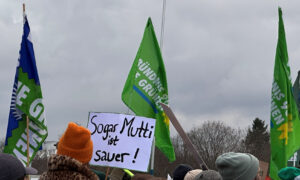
27,119
106,174
27,130
161,47
23,8
162,25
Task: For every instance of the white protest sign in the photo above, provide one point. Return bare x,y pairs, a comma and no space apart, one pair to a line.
120,140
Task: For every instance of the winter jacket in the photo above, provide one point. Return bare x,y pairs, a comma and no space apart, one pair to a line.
64,168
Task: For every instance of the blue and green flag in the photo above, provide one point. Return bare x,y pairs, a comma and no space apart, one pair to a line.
285,123
26,101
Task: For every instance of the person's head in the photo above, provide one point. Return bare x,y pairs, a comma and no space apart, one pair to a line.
12,168
76,143
208,175
238,166
180,171
190,175
142,176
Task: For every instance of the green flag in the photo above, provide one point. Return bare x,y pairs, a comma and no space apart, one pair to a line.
285,124
146,86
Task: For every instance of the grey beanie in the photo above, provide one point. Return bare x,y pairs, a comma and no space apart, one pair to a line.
237,166
11,168
208,175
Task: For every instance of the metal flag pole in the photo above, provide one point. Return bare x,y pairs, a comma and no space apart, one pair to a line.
162,25
161,47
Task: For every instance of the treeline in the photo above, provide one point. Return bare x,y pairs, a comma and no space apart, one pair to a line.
214,138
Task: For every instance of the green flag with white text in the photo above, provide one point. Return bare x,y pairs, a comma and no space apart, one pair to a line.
146,86
285,123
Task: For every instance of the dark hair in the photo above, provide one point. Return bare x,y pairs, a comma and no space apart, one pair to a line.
21,178
180,171
141,176
126,177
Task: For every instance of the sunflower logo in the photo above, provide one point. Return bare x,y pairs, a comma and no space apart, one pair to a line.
286,128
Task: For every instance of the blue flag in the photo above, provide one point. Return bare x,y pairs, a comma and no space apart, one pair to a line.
26,102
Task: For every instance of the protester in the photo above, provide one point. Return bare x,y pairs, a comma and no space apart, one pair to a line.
180,171
190,175
116,174
127,176
74,151
208,175
11,168
141,176
289,173
238,166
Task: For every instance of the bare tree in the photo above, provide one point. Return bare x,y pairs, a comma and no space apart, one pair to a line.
2,144
40,163
213,139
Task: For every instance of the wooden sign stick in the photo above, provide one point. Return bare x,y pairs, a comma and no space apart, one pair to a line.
183,135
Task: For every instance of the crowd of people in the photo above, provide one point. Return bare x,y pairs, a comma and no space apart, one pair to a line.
75,148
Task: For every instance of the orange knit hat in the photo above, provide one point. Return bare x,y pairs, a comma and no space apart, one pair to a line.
76,142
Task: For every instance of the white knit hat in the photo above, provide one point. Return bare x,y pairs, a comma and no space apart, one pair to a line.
192,174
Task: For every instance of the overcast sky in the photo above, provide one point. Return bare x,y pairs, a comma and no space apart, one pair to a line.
218,55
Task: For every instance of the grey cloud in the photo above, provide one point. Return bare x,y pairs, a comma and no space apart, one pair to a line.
219,56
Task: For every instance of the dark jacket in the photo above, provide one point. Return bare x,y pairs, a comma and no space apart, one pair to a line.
65,168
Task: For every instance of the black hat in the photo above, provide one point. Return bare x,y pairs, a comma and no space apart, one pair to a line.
180,171
12,168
